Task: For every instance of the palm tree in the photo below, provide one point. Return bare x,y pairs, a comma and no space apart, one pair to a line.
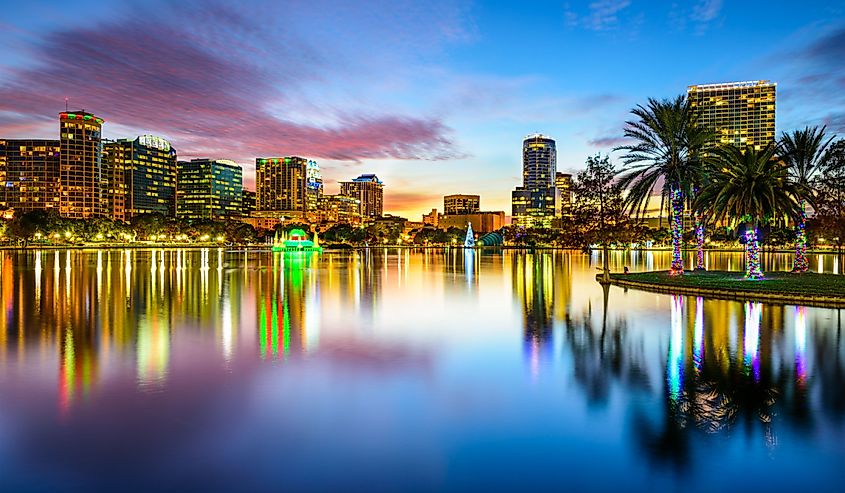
665,155
748,187
806,152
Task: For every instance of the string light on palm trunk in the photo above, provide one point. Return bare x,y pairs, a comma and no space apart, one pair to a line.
752,255
677,232
801,262
699,240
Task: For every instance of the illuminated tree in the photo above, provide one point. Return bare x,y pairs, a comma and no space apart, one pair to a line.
748,187
806,153
664,156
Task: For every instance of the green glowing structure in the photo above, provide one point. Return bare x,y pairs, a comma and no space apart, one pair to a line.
296,241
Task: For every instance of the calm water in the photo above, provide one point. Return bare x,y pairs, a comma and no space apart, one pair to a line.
253,371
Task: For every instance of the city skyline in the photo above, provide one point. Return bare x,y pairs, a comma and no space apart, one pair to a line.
429,98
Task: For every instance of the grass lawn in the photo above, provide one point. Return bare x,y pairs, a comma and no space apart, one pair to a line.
808,283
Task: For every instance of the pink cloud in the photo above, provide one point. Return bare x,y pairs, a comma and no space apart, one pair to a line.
209,90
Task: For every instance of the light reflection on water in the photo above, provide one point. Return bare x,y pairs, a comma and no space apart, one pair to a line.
405,369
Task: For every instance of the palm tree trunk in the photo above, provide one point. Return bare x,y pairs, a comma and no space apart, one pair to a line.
801,264
752,254
677,232
699,240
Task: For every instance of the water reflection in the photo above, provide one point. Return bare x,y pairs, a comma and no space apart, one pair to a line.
429,344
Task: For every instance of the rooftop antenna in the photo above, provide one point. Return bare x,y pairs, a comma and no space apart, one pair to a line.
66,103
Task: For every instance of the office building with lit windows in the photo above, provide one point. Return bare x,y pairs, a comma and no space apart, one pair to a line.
461,204
369,190
209,189
533,203
341,209
741,113
563,193
29,174
81,165
291,184
248,202
141,176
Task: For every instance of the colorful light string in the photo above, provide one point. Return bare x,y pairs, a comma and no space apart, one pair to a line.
677,268
752,255
675,363
699,240
801,264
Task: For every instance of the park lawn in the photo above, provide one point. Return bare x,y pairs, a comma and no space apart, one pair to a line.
808,283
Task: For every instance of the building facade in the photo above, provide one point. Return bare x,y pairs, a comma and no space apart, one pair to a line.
339,209
29,174
482,222
431,219
287,184
209,189
248,200
741,113
369,190
81,165
461,204
533,203
563,193
141,176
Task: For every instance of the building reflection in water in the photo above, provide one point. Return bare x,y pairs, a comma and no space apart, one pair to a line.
286,323
714,366
542,285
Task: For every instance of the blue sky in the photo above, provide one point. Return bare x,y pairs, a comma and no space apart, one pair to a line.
434,96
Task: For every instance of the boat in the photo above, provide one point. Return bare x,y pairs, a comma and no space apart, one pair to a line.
296,241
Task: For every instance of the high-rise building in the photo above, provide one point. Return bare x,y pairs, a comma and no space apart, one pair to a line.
313,185
287,184
369,190
208,189
339,209
141,175
563,189
461,204
248,202
29,174
741,113
81,165
533,204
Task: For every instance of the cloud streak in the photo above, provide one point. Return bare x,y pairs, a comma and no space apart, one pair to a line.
602,15
219,90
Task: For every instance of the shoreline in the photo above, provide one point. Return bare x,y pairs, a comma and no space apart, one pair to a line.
343,246
781,288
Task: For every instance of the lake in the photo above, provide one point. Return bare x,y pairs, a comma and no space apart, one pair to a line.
412,370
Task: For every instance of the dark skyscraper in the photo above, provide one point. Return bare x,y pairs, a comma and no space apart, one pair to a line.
534,202
209,189
29,174
81,165
141,177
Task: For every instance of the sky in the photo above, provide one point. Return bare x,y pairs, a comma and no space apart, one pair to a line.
434,97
